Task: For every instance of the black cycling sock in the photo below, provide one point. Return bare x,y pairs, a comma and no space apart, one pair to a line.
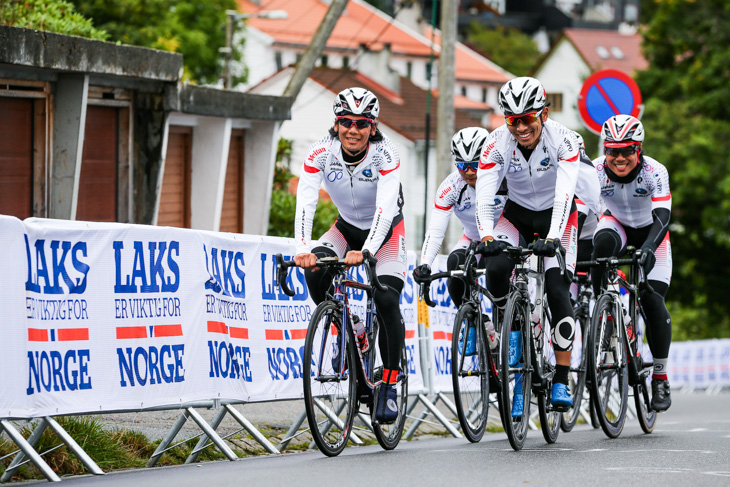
561,374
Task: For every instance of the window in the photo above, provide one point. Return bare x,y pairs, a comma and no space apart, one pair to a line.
555,101
277,60
428,71
409,69
484,95
324,59
463,91
617,52
346,62
602,52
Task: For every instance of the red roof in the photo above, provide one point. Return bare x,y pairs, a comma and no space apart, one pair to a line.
404,112
604,49
359,24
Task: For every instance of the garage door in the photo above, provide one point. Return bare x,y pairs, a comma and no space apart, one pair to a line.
175,193
232,213
98,183
16,157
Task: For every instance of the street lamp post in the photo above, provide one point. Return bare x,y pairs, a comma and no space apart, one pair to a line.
232,20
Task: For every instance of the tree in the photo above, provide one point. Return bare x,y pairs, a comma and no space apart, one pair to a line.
507,47
56,16
194,28
687,121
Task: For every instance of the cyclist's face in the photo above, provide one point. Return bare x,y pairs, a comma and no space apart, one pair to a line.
353,139
469,175
620,163
527,130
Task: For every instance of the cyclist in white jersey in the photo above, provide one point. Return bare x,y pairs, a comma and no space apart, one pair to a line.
540,160
360,170
635,189
457,195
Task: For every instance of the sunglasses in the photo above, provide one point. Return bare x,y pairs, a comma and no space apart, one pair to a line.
360,123
467,165
627,151
526,118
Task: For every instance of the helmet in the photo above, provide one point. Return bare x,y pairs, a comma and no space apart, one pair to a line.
521,95
466,144
356,101
622,130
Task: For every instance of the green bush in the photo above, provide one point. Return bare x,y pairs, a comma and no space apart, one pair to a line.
56,16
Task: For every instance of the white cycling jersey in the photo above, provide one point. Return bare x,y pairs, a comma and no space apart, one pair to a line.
368,198
631,203
453,196
547,180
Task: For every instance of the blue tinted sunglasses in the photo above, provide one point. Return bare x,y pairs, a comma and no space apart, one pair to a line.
467,165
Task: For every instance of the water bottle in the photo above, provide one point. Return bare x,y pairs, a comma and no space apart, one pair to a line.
629,326
491,334
362,338
536,326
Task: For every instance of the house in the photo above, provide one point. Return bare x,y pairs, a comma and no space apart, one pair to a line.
401,119
271,44
575,56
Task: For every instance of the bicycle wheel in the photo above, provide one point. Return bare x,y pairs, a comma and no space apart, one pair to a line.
578,369
607,367
389,435
642,400
519,377
329,385
470,373
549,420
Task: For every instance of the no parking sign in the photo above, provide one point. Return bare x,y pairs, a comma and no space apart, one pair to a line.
606,93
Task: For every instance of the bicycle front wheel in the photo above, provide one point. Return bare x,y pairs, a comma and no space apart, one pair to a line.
644,413
329,379
470,373
550,419
607,367
389,435
578,369
516,378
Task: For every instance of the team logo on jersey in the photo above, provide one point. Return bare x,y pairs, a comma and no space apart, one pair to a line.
334,176
545,162
641,191
367,173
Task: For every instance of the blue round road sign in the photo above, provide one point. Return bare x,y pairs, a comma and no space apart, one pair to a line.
606,93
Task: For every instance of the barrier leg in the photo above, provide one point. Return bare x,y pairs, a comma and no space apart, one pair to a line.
431,406
168,439
292,430
203,442
251,429
71,444
28,450
336,420
419,420
217,440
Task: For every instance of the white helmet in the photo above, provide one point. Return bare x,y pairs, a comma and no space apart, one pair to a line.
521,95
622,130
356,101
466,144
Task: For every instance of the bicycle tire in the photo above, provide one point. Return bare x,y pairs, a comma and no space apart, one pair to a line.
389,435
644,413
516,317
549,420
577,376
607,367
470,374
330,403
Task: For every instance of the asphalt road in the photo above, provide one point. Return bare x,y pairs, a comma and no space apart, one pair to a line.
690,446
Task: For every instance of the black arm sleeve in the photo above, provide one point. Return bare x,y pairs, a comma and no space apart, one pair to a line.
659,228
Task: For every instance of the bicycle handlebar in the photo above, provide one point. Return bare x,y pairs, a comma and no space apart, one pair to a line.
606,262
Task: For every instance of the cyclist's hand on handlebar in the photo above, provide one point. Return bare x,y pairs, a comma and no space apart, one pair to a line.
353,258
490,247
421,273
646,259
305,261
546,246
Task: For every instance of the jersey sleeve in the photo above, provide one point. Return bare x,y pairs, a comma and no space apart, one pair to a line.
310,180
443,207
491,165
568,169
387,204
661,197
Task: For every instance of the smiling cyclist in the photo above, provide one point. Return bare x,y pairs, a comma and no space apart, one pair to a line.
360,170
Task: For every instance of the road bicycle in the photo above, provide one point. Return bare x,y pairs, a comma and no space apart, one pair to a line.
338,376
579,358
471,373
616,358
537,368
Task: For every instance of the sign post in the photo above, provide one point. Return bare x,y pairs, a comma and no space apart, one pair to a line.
606,93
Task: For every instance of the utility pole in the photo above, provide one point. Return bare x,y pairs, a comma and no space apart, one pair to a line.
314,50
427,195
447,73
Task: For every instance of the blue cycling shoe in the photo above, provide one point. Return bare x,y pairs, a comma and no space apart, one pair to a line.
560,397
471,341
386,407
517,399
515,347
